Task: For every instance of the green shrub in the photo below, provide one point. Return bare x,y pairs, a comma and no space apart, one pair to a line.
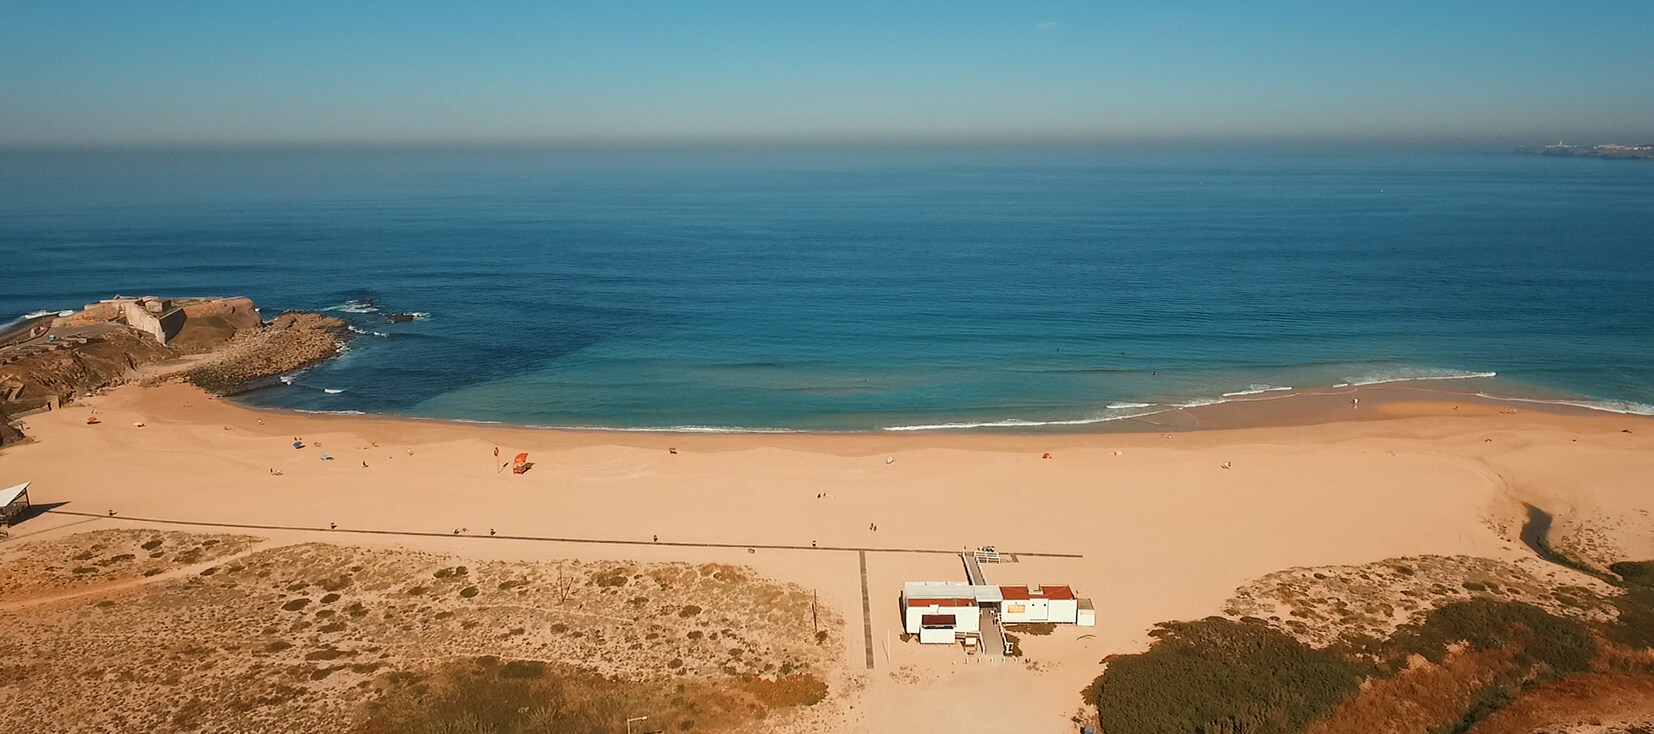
1037,629
1538,637
1634,573
523,669
1219,676
1635,625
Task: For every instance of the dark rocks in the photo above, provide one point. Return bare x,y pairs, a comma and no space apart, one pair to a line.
294,340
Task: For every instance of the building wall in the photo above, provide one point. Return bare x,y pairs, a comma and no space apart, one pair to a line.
1024,610
238,312
163,327
1064,611
936,637
965,619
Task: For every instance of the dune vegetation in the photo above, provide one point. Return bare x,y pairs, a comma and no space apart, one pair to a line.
1447,671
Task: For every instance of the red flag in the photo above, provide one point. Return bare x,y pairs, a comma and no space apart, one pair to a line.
496,451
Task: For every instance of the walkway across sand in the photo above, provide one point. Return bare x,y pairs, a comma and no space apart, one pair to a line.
545,539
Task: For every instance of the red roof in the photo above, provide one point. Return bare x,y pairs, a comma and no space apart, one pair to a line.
922,603
1023,593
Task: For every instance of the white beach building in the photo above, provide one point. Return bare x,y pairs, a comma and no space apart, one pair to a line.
940,612
1032,604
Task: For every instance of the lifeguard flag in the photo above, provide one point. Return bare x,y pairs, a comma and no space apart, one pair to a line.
496,451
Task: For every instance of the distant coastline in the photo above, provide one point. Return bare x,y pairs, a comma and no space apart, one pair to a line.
1643,152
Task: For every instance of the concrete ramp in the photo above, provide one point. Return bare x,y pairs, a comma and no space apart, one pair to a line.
993,639
973,570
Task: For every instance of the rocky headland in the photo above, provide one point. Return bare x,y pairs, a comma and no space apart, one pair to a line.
218,344
1613,152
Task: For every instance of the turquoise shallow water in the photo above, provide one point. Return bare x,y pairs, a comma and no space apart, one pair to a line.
862,289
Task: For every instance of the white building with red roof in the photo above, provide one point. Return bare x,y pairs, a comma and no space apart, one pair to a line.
1035,604
942,611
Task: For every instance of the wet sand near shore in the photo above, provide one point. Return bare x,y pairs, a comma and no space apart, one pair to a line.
1163,523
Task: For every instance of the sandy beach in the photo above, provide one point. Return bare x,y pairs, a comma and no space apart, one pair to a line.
1152,526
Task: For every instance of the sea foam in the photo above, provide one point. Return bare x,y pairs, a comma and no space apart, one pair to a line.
1414,375
1623,407
354,306
1018,423
1256,390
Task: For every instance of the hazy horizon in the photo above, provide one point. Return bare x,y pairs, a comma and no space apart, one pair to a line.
95,74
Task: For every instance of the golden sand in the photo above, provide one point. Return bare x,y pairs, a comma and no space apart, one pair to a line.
1166,525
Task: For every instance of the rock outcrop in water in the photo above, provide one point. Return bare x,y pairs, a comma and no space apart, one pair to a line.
292,341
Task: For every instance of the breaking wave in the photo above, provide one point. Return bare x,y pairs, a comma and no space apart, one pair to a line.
1623,407
1256,390
1017,423
1413,375
354,305
671,429
31,316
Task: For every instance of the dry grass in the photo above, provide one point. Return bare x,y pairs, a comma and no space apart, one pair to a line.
487,695
299,638
105,557
1424,697
1594,703
1330,604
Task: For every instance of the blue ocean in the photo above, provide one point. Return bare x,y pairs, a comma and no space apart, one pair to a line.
870,288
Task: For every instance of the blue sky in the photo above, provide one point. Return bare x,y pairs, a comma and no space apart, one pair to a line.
99,73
